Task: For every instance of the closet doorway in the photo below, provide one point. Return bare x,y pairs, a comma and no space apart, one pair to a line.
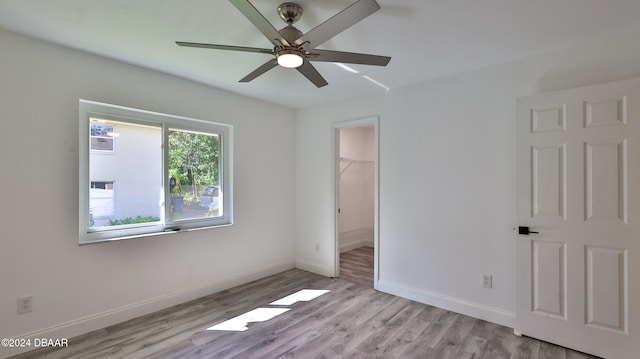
356,186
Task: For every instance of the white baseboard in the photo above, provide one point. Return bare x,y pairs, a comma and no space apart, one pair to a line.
101,320
490,314
357,238
314,268
346,247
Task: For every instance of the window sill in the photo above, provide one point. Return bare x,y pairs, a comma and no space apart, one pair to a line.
168,231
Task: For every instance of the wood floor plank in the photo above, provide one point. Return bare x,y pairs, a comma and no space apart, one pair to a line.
551,351
358,330
451,342
400,342
571,354
374,344
526,348
472,348
432,335
351,321
484,329
500,344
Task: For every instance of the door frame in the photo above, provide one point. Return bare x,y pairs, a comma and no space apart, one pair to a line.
335,189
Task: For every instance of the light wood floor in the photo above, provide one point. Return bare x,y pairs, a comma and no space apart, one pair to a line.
351,321
357,266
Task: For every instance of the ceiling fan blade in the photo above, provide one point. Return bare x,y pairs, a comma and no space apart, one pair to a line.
348,57
251,13
338,23
224,47
312,74
260,70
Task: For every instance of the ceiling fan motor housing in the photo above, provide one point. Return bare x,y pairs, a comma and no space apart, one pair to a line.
290,33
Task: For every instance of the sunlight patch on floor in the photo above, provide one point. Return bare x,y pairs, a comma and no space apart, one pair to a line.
239,323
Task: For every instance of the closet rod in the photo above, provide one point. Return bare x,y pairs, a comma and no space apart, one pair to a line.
351,161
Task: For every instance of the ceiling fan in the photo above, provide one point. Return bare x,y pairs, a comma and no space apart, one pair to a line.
293,49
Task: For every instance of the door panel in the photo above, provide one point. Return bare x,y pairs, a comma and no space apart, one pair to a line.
578,178
549,278
607,288
549,185
606,180
548,119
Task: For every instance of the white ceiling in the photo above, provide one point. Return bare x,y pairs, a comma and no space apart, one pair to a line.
426,38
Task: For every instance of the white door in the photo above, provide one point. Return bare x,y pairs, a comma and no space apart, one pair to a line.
578,186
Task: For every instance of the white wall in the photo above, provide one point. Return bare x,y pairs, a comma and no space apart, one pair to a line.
447,174
357,143
80,288
356,179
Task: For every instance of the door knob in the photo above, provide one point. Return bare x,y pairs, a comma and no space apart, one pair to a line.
525,231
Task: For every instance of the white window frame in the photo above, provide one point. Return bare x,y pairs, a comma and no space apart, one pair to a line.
91,109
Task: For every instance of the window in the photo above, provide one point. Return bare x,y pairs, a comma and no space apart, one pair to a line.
168,173
102,136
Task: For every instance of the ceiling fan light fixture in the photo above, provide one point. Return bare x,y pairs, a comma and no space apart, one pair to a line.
290,59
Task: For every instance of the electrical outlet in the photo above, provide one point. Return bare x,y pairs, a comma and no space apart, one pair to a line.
487,281
25,304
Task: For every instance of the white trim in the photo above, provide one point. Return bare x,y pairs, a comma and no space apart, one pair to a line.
335,189
102,320
462,306
356,238
314,268
335,175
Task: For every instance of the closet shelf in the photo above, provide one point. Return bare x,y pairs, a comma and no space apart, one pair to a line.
351,161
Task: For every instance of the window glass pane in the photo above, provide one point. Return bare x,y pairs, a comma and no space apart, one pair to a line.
194,175
125,180
102,136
